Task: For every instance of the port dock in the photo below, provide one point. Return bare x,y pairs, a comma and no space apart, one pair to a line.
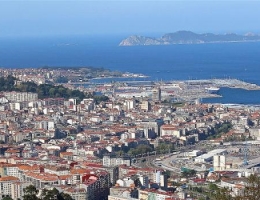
181,90
235,83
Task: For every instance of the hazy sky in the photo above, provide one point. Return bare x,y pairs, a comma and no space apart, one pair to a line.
37,17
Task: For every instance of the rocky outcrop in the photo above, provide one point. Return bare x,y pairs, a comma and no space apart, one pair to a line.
188,37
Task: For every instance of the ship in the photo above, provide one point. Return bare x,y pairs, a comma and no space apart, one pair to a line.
212,90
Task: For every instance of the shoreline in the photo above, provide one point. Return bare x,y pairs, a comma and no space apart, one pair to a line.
119,77
201,43
184,90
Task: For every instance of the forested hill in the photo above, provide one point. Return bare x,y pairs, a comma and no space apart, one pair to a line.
45,90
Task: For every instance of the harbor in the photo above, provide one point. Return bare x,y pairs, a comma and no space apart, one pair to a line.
179,90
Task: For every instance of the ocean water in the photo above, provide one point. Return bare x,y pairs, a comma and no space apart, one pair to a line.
174,62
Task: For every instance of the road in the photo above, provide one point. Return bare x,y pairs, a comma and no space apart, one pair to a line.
165,164
153,161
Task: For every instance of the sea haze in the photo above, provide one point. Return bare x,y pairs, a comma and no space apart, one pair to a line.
173,62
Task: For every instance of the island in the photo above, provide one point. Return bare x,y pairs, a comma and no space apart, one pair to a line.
188,37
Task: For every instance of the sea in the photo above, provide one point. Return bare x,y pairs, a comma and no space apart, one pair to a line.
160,63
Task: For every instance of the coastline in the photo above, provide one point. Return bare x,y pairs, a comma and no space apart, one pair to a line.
184,90
198,43
119,77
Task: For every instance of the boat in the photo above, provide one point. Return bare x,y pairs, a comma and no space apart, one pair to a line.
212,90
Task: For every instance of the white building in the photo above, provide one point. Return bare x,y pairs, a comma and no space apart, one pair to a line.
157,94
144,180
145,105
58,170
21,96
168,129
112,160
193,153
5,185
17,189
12,170
130,104
219,162
157,176
44,124
88,104
163,180
209,156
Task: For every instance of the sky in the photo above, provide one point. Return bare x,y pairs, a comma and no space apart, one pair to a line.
45,17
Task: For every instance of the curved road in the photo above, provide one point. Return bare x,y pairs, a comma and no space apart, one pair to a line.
165,164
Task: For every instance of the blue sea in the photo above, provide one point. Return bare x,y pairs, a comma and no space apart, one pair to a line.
174,62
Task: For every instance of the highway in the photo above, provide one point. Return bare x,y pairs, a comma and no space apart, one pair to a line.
165,164
164,161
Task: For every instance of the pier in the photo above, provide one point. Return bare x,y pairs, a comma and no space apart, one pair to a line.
229,83
235,83
184,90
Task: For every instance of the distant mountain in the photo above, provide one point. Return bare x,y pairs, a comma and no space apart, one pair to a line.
188,37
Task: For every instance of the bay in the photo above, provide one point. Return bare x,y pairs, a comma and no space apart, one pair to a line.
173,62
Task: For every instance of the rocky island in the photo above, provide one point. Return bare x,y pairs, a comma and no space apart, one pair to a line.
188,37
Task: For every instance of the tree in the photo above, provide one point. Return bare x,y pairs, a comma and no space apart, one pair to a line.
100,98
52,92
62,91
49,194
7,83
164,147
252,188
250,192
10,80
54,194
7,198
213,187
140,149
30,193
222,194
120,153
61,79
43,90
223,128
167,173
188,173
64,196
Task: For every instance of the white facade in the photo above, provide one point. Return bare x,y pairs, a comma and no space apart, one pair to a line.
156,176
96,119
163,180
145,105
12,171
114,197
6,185
57,171
130,104
89,104
17,189
21,96
219,162
17,106
46,125
174,132
144,180
114,161
193,153
209,156
51,125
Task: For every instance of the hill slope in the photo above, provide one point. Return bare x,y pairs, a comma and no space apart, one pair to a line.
188,37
